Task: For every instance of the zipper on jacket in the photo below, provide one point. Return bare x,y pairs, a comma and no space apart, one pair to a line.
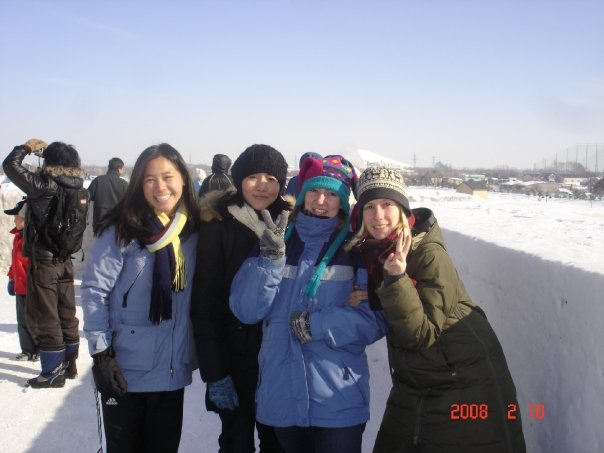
505,425
125,299
418,420
346,373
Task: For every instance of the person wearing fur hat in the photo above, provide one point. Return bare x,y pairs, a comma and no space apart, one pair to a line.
17,284
227,349
314,376
443,352
51,309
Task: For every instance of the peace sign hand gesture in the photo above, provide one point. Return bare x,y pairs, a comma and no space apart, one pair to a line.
272,245
396,262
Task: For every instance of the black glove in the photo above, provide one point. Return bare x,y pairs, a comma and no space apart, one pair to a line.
272,244
300,326
108,378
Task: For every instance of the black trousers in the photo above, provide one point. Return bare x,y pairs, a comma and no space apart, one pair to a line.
26,339
50,306
238,434
238,426
146,422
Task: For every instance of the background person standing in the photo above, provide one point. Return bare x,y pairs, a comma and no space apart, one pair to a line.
220,178
107,190
51,310
17,285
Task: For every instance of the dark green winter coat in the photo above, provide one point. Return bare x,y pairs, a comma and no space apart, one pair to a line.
452,387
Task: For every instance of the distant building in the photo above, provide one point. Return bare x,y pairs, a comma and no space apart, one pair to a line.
453,182
541,187
474,188
467,177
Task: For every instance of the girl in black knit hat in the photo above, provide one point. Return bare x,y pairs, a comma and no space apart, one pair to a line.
227,350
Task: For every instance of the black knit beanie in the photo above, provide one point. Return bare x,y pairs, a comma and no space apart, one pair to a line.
382,182
259,159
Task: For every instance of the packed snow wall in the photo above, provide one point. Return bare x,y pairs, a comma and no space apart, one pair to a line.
547,316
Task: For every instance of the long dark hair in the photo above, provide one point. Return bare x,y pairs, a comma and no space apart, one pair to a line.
130,213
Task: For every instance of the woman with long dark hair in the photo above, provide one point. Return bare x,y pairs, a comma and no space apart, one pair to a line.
136,294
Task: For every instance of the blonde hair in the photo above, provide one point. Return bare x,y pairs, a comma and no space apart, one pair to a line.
363,232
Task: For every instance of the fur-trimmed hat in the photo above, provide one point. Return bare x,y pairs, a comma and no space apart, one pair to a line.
259,159
334,173
382,182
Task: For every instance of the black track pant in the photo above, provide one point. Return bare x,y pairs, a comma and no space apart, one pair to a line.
149,422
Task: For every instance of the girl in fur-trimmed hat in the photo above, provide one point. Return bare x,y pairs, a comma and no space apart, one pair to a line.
227,349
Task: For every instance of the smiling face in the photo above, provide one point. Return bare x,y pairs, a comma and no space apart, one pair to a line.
322,202
260,190
381,217
162,185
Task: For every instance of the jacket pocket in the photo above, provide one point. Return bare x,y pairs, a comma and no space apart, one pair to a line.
135,346
355,379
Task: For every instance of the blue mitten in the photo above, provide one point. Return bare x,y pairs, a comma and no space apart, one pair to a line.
223,394
10,287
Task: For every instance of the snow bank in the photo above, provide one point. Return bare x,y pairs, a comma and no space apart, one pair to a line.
546,315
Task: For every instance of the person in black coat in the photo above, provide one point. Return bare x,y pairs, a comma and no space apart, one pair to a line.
220,178
227,350
107,190
51,305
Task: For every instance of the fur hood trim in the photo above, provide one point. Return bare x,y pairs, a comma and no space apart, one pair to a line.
211,203
62,171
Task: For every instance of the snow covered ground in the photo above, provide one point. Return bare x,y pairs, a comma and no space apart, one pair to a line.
536,268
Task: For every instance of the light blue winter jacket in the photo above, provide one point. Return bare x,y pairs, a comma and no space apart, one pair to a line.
324,382
116,293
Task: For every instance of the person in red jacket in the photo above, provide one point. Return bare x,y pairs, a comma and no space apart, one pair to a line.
17,285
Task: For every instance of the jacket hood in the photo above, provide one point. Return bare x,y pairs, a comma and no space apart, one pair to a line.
221,163
67,176
211,203
426,228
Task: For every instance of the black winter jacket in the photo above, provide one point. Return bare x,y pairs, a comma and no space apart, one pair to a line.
225,346
105,191
40,188
452,390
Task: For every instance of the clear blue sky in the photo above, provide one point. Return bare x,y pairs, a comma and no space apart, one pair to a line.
467,83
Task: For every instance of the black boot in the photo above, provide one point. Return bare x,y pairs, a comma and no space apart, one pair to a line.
53,373
71,354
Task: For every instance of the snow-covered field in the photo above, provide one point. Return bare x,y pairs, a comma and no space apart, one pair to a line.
536,268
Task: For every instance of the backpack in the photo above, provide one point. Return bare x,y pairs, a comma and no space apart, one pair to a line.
63,226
